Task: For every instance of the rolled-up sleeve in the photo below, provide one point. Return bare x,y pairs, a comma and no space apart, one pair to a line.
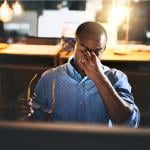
123,88
134,119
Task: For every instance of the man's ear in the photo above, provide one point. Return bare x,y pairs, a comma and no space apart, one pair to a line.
75,45
74,42
104,41
105,47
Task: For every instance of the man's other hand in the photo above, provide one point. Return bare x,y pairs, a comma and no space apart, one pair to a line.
24,109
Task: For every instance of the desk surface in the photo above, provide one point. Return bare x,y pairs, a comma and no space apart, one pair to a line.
29,49
109,55
53,50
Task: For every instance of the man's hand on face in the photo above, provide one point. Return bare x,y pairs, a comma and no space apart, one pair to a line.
91,64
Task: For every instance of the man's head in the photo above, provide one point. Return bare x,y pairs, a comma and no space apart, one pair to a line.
91,37
92,31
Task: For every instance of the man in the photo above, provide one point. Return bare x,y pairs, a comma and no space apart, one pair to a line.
84,90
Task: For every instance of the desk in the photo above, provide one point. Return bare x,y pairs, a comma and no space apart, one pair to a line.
109,55
133,56
136,65
30,49
50,51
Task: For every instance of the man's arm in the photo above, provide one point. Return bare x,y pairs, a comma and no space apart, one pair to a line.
38,102
118,109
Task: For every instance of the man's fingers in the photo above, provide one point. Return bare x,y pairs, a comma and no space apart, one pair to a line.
87,55
93,56
83,64
30,103
24,108
31,112
30,99
83,58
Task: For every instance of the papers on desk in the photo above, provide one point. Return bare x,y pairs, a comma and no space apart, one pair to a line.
127,48
144,48
3,46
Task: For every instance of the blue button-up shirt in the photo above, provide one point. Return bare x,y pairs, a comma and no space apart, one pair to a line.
77,99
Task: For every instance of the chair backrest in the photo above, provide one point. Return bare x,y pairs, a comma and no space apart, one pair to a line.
68,43
2,40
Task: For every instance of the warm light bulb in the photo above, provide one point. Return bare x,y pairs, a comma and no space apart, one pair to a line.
17,8
6,13
117,15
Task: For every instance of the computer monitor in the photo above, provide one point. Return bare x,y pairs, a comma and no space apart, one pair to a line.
56,136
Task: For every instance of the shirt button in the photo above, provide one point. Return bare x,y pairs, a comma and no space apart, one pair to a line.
81,103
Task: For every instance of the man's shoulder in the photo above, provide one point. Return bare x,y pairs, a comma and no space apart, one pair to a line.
113,73
54,71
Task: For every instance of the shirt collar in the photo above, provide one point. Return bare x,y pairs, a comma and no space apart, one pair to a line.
72,71
75,74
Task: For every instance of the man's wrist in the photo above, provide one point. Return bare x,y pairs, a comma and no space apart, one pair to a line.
99,77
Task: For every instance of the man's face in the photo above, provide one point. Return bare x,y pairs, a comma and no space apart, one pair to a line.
89,43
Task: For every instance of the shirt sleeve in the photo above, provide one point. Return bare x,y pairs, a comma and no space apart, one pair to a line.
41,101
134,119
123,88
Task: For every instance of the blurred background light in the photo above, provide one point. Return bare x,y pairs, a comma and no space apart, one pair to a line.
17,8
6,13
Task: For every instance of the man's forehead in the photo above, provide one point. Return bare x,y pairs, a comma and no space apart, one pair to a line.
90,38
87,36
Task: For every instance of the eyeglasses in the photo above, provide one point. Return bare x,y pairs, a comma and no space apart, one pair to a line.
97,50
30,99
